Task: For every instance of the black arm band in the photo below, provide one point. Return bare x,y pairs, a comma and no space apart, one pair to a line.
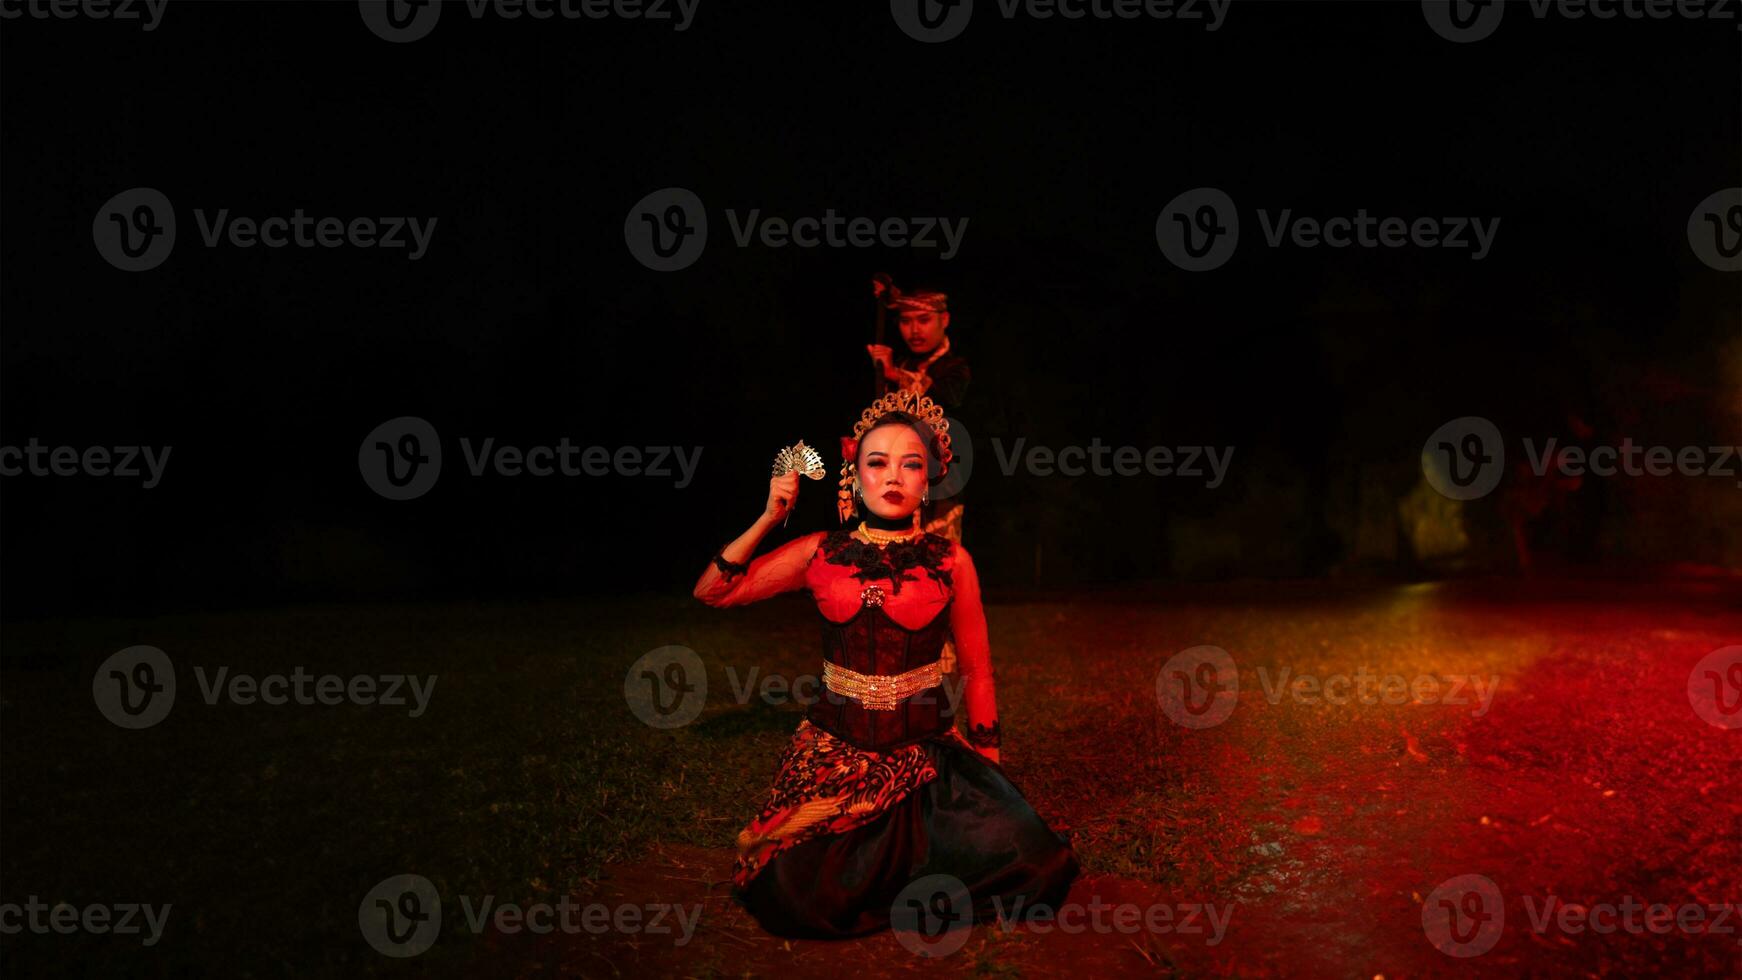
730,569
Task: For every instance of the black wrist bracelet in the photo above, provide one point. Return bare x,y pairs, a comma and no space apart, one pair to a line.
985,736
730,569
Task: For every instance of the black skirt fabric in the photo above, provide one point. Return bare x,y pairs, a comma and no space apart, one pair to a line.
969,821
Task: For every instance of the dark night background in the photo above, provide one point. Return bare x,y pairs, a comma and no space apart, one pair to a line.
537,602
529,321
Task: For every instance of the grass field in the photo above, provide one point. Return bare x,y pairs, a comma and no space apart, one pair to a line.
1587,777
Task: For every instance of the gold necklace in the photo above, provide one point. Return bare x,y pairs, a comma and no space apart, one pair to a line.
881,538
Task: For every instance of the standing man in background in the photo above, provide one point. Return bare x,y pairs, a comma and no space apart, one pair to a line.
928,366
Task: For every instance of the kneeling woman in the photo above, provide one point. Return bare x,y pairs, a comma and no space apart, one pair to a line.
878,788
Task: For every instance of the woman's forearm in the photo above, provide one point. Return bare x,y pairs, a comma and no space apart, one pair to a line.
743,547
738,552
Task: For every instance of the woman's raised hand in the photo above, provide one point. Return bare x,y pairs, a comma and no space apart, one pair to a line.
782,497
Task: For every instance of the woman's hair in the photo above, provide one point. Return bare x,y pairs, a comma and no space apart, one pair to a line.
928,437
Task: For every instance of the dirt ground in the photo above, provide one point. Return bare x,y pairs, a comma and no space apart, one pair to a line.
1571,766
1585,779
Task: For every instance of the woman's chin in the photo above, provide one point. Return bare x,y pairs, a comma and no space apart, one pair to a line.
890,513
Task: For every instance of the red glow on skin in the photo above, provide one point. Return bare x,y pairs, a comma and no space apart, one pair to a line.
923,330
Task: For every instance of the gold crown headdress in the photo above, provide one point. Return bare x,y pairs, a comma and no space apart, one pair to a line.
900,400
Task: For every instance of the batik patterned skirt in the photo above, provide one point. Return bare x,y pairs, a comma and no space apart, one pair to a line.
844,830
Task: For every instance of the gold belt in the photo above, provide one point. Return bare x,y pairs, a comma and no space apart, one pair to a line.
880,692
